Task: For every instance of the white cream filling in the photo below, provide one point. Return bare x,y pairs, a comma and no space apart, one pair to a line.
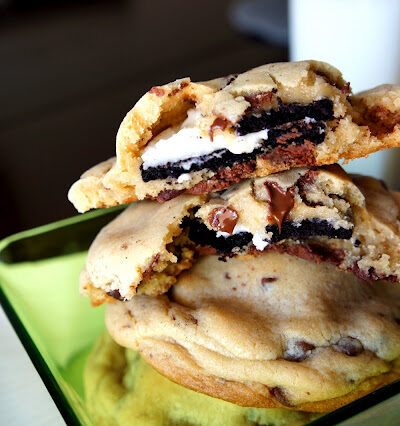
183,177
257,239
236,230
187,143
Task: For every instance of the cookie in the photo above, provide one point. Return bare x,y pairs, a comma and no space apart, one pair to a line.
121,389
320,214
141,251
268,331
202,137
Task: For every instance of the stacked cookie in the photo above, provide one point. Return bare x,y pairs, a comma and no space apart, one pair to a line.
253,268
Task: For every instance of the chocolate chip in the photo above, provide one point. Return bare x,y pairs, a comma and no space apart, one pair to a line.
260,99
279,394
349,346
229,79
281,201
147,272
266,280
357,243
158,91
227,276
200,234
219,123
224,219
115,294
298,351
178,89
168,194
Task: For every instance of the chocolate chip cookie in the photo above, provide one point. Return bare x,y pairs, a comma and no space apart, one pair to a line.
268,331
203,137
320,214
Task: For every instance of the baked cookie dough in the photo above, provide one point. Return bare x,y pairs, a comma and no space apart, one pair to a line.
141,251
202,137
320,214
268,331
121,390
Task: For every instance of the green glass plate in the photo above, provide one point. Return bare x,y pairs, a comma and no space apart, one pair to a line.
39,271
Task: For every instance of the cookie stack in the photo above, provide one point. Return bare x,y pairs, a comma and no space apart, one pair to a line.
253,268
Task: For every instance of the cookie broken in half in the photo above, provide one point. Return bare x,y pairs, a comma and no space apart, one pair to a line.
203,137
320,214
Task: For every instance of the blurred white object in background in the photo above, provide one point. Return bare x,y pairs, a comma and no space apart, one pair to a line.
263,19
362,39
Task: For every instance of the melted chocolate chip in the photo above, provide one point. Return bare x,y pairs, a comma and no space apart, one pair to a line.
380,120
349,346
260,99
303,185
219,123
281,202
224,219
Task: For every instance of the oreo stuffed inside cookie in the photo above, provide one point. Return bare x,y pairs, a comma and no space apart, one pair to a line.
320,214
203,137
271,331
